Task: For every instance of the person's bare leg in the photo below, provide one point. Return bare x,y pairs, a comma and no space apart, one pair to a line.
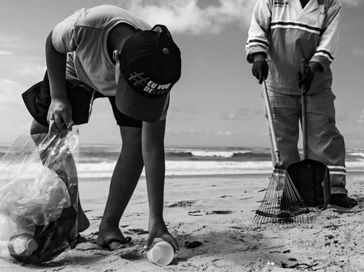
123,182
36,132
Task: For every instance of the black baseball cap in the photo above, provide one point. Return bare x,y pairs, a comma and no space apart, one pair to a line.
150,64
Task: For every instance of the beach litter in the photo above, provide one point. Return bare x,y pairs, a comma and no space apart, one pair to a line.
161,254
39,198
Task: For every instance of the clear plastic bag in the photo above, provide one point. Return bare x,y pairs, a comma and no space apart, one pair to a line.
39,196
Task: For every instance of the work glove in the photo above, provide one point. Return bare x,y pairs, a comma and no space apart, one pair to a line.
306,76
260,70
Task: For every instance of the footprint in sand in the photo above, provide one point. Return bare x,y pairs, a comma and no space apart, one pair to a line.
192,244
221,212
225,196
138,231
132,256
196,213
182,204
200,213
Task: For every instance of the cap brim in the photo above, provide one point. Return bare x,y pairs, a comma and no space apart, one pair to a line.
138,106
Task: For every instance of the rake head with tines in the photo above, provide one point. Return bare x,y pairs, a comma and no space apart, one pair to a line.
282,202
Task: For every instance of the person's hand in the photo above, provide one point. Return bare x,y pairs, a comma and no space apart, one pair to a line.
260,70
158,229
60,113
306,76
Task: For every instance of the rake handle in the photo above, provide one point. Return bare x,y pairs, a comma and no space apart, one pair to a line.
277,154
304,114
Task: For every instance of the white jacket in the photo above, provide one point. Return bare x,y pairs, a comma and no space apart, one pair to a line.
287,33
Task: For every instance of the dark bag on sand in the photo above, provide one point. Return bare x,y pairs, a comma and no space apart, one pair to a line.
312,180
53,239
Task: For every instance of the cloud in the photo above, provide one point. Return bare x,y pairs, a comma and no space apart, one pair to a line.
10,41
9,92
7,44
15,80
354,3
31,71
193,16
359,52
6,53
243,114
361,117
199,132
185,112
224,133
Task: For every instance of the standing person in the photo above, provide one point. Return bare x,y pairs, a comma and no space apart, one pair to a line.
105,51
282,32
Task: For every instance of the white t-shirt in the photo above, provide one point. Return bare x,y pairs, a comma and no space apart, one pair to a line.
83,36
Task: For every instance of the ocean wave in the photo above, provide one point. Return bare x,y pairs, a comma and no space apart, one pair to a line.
99,162
230,154
355,154
94,154
195,155
173,168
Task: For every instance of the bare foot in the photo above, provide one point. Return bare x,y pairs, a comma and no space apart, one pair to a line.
111,239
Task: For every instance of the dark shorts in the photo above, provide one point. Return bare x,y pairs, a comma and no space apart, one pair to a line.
37,100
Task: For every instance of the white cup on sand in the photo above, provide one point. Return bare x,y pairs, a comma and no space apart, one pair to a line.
162,253
22,245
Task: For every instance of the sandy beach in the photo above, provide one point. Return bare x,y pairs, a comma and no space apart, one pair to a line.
217,211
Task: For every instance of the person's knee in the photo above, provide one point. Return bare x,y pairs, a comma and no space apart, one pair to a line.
131,138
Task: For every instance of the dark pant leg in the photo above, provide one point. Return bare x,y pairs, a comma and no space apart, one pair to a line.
325,143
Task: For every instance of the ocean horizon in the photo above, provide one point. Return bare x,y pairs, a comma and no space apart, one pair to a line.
97,161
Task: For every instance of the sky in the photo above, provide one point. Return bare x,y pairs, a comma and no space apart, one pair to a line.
217,101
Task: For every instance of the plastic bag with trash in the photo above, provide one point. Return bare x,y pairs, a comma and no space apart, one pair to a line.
39,196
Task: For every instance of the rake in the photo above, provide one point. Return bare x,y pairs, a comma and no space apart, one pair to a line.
275,208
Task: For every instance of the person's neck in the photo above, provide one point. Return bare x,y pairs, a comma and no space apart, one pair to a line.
304,3
117,37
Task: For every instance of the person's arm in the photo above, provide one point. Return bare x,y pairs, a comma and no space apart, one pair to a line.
257,45
60,109
63,39
154,162
258,41
326,49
